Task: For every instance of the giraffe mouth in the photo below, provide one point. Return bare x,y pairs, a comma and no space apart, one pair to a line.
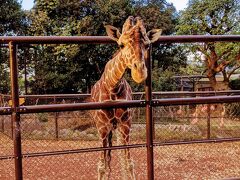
139,77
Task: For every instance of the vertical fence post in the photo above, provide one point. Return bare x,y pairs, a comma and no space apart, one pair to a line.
15,114
208,121
149,122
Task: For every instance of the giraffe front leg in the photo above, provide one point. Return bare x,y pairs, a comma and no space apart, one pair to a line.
127,165
101,170
130,163
122,159
130,166
102,164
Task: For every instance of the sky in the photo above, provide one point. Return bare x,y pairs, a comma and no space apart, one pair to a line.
179,4
27,4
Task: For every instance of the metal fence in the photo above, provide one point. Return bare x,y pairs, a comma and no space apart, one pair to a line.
53,140
71,125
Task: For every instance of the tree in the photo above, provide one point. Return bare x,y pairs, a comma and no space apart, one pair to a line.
214,17
12,22
12,18
4,72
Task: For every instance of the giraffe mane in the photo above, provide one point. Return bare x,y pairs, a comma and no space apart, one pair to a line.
116,53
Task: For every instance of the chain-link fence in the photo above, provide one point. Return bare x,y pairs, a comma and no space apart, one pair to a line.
65,125
55,138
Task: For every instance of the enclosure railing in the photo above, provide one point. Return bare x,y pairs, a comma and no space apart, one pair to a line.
29,100
16,110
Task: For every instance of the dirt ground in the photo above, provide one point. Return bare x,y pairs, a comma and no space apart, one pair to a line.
196,161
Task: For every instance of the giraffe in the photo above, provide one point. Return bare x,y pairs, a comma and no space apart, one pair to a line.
133,45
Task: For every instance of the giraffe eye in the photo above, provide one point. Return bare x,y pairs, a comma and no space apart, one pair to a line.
121,46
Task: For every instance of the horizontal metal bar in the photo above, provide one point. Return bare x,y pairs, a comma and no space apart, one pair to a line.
191,93
198,38
106,39
56,39
82,150
119,104
21,45
163,93
220,140
7,157
5,110
48,96
80,106
85,150
196,100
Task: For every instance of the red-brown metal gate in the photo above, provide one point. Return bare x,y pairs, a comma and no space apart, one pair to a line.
16,111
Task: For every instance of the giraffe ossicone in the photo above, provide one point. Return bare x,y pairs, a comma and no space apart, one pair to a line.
133,43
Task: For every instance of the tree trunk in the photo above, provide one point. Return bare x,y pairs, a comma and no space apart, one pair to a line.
213,68
218,86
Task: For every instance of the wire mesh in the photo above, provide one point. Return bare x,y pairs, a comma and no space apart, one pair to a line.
6,125
174,123
196,122
7,168
64,131
45,132
6,153
71,166
80,166
197,161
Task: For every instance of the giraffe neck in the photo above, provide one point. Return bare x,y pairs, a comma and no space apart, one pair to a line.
114,71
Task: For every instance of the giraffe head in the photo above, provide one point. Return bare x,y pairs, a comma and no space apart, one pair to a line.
134,43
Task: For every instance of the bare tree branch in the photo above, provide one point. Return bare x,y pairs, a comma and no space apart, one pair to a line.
232,71
221,66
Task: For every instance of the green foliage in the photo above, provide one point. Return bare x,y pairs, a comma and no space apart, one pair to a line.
156,14
235,84
12,22
11,18
163,81
212,17
5,80
4,72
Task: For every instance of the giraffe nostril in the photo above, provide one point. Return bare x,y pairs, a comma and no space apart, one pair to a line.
135,65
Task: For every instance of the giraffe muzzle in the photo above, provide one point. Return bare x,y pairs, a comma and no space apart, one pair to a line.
139,72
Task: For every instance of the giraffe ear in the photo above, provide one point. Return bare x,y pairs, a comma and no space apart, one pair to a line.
112,32
154,35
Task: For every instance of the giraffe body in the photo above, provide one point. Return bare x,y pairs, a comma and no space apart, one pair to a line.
118,119
134,43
